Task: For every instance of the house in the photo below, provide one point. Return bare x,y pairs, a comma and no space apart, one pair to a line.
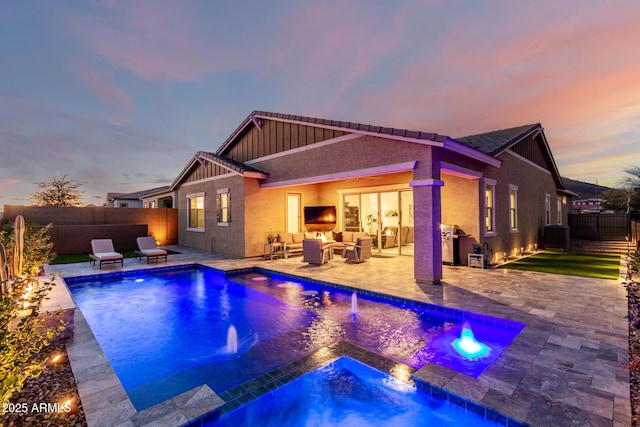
500,188
160,197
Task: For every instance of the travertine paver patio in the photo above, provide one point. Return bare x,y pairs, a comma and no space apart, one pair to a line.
566,368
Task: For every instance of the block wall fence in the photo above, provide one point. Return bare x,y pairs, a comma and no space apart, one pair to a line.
73,228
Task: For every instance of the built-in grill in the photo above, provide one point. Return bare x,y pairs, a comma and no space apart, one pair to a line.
449,243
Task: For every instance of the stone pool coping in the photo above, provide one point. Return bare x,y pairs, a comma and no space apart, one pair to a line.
106,402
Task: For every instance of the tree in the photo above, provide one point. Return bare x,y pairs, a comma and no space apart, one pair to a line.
631,183
60,192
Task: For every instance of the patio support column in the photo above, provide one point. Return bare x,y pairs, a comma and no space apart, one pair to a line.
428,237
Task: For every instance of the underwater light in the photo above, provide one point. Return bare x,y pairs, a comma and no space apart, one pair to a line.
139,280
468,346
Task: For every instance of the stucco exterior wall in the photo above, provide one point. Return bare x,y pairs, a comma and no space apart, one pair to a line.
266,209
220,239
533,183
460,204
355,154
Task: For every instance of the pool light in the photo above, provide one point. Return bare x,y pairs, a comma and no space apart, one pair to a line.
139,280
468,346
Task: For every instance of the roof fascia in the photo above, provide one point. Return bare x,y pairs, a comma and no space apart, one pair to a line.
356,131
200,158
460,148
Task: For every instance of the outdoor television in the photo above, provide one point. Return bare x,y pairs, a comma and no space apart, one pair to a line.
319,218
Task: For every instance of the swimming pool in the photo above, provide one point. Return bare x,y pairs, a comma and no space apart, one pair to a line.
347,392
166,331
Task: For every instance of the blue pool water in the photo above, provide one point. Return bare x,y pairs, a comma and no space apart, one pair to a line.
348,393
167,332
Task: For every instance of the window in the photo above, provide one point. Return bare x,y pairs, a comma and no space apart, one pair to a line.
489,203
196,212
559,206
547,209
513,208
223,204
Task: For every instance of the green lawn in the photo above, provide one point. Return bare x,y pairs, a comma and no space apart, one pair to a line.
575,264
71,258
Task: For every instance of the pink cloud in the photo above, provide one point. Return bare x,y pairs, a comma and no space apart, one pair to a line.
107,90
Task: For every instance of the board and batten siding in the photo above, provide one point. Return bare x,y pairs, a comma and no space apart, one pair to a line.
531,149
276,137
209,170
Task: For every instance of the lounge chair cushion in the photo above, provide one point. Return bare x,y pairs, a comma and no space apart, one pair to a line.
107,256
154,252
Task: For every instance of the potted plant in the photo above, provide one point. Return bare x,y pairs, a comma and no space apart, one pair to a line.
372,222
271,238
477,248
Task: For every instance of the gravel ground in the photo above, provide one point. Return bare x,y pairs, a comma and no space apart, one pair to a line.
634,349
55,386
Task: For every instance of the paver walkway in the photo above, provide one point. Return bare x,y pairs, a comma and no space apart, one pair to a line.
566,368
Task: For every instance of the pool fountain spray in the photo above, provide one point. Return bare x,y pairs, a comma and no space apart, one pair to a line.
232,340
354,303
468,346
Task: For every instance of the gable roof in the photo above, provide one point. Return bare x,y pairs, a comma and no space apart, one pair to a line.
353,127
233,166
495,142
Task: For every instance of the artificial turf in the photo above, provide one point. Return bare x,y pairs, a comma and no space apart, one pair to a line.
575,264
72,258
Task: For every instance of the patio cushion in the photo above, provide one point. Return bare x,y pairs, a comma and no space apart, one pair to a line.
285,238
298,237
153,252
107,256
337,236
347,236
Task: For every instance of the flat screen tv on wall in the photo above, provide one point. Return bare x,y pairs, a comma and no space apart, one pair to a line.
319,218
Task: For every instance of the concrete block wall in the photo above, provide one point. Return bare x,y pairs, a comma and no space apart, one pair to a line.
69,224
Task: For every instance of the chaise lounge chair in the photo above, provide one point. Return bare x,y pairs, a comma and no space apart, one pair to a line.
315,251
104,253
359,252
147,248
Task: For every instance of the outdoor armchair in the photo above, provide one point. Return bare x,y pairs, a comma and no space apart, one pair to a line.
358,252
315,251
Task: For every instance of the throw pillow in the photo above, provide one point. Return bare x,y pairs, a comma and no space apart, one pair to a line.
337,237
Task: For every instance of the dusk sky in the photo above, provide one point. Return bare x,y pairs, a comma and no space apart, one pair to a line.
120,95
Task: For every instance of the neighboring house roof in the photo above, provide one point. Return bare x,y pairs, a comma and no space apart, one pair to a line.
137,195
232,165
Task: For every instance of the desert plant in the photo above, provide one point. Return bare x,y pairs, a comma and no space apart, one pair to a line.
37,247
18,246
21,333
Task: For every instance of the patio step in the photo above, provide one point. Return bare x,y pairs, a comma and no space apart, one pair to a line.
612,247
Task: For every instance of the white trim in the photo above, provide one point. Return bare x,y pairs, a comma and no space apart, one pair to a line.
357,131
223,191
223,224
529,162
378,170
513,187
304,148
259,175
374,189
196,230
459,171
194,195
211,178
492,183
430,182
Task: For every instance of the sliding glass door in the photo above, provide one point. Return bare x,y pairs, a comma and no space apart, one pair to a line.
386,216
